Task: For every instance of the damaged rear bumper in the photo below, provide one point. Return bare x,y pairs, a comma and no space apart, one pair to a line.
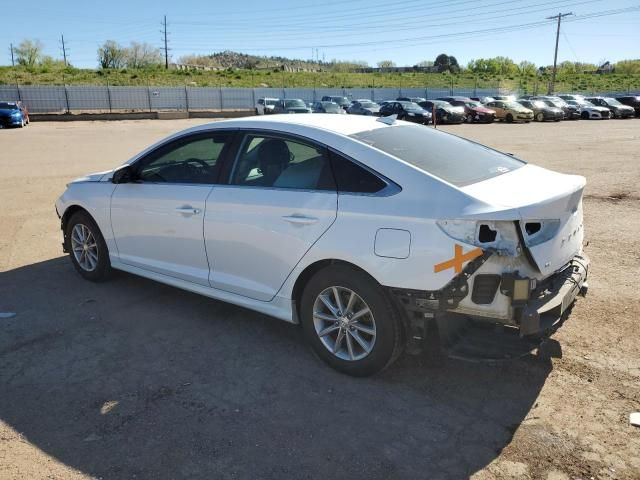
551,299
535,308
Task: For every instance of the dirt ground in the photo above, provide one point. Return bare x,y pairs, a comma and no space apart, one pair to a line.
132,379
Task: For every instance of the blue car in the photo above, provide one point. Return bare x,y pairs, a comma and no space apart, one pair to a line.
13,114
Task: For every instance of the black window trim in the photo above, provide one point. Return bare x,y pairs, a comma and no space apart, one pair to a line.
175,142
390,188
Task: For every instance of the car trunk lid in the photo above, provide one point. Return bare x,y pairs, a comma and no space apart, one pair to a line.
536,197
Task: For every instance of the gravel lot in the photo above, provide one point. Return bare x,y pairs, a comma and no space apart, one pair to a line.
133,379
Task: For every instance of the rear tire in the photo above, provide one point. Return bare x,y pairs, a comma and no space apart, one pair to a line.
509,118
584,115
87,248
350,341
540,117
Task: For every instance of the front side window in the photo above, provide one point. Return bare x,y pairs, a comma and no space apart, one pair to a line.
272,161
193,160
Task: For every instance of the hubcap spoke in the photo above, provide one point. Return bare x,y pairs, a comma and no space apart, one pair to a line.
349,345
362,312
336,296
352,299
329,305
84,247
365,346
325,317
328,330
339,338
362,328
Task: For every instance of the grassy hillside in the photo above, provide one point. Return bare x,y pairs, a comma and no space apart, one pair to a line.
253,78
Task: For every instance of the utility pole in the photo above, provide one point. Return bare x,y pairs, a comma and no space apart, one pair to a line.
552,85
166,49
13,63
64,50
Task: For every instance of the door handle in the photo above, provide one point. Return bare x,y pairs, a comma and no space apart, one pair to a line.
300,219
188,210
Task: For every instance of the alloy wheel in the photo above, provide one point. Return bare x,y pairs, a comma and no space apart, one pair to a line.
84,247
344,323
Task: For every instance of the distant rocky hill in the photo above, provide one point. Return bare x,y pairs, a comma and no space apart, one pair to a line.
236,60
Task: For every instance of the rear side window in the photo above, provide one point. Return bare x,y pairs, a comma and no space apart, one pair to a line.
352,178
451,158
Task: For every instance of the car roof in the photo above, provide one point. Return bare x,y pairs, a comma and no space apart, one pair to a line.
341,124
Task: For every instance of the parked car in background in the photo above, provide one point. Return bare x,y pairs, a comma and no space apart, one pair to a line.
571,96
408,111
618,110
445,112
505,98
344,102
326,107
542,111
589,111
265,106
13,114
571,112
364,107
510,111
483,100
632,101
411,99
473,111
367,232
291,105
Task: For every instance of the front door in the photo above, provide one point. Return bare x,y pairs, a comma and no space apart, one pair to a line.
157,219
278,202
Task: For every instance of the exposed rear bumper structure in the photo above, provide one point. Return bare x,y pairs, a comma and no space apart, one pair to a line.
551,299
538,307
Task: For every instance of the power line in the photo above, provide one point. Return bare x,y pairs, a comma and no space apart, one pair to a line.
559,16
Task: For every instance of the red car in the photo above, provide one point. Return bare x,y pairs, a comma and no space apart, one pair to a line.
473,111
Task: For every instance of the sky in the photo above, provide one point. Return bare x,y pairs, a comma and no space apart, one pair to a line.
405,32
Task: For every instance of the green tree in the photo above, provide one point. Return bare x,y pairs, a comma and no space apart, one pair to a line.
142,55
386,64
29,52
112,55
446,63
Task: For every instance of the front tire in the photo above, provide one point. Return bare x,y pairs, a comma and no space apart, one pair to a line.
509,118
87,248
540,117
350,322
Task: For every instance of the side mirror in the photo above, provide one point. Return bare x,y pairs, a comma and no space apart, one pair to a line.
124,174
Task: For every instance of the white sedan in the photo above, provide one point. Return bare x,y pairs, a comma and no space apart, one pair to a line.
368,232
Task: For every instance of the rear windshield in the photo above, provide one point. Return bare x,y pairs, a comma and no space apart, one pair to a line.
8,106
451,158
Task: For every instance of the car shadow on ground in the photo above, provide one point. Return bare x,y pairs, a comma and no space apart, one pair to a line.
133,378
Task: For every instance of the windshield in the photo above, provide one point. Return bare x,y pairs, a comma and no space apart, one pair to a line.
539,103
513,105
473,104
368,104
8,106
451,158
270,101
294,103
612,101
340,100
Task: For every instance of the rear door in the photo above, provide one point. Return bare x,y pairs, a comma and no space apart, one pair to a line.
279,199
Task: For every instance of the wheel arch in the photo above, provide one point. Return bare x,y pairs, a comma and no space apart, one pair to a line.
66,216
309,271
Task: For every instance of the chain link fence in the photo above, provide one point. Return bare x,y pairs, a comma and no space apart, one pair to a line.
102,99
118,99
